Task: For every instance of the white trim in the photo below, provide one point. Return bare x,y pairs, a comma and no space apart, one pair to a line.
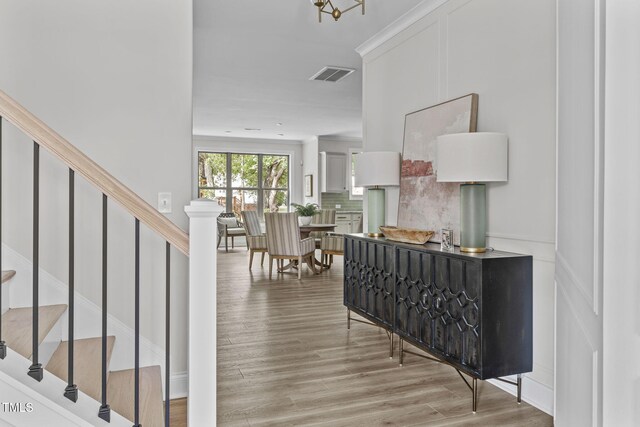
533,392
399,25
179,385
522,237
598,155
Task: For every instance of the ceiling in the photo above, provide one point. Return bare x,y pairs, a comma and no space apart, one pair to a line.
253,60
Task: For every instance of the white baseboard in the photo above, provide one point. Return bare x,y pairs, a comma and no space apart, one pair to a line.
533,392
179,385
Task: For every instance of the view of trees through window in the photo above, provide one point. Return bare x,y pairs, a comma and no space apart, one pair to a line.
237,181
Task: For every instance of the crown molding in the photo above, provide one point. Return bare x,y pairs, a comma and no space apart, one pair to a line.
405,21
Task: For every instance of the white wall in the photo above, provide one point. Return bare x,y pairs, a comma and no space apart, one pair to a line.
621,373
504,50
114,78
251,145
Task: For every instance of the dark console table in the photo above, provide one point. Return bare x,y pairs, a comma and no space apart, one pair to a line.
471,311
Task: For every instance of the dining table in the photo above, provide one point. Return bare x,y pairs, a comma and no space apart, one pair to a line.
305,230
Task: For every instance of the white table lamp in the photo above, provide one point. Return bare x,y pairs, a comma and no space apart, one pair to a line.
376,170
472,158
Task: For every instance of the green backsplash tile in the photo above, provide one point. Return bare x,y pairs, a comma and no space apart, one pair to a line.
329,201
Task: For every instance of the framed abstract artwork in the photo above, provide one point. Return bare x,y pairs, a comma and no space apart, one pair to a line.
308,185
424,203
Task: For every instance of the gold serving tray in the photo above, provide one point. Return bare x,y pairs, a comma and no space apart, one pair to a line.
407,235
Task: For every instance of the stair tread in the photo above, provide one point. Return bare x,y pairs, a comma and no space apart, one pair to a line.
87,373
7,274
17,329
121,395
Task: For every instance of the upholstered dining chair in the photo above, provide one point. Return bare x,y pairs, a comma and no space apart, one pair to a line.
325,216
256,239
228,226
330,245
284,243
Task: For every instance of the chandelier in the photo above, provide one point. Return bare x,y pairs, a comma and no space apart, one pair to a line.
325,6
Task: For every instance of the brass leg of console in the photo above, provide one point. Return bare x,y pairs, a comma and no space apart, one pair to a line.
391,345
401,350
474,391
519,388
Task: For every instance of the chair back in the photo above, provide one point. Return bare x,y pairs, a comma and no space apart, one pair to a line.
251,223
283,233
325,216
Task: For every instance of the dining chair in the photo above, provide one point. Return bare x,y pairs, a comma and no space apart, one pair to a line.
284,242
330,245
229,226
325,216
256,239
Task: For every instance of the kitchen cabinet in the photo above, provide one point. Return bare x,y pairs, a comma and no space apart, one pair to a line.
333,172
348,222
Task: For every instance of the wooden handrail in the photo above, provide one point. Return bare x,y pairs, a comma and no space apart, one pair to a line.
46,137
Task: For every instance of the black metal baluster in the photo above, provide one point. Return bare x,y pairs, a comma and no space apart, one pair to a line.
167,373
105,410
35,370
136,400
71,391
3,346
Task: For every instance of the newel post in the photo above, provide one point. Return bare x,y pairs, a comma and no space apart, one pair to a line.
202,312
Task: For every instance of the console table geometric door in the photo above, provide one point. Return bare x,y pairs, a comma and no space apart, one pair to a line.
471,311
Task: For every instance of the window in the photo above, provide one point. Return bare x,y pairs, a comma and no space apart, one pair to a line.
238,181
354,192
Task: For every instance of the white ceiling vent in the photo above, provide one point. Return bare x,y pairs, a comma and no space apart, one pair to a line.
332,74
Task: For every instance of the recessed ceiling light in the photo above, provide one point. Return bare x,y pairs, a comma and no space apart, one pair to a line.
278,124
281,134
252,129
227,131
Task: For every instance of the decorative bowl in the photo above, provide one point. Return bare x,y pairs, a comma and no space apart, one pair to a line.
407,235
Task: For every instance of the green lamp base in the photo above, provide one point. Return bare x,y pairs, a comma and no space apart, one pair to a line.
473,218
375,205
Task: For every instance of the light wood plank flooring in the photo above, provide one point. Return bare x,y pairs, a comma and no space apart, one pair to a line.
87,364
17,330
7,274
120,392
285,357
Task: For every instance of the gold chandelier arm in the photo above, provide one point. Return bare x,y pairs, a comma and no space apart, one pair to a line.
358,3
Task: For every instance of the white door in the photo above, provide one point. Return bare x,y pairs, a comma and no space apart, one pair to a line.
578,388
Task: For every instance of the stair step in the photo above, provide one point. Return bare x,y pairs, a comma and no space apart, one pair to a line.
17,330
121,395
87,373
7,274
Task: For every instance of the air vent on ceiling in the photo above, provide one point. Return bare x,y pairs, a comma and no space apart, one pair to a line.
332,74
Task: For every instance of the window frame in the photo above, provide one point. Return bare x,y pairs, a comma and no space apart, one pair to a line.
229,188
350,174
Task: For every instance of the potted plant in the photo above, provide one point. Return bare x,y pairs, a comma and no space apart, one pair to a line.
306,212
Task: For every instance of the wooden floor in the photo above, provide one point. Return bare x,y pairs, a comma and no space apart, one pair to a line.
285,357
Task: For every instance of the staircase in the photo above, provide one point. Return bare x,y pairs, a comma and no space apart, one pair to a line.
17,334
35,336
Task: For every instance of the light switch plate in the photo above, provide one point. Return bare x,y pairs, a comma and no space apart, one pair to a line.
338,206
164,202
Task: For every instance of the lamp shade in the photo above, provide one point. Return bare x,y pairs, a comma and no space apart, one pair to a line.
377,168
472,157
